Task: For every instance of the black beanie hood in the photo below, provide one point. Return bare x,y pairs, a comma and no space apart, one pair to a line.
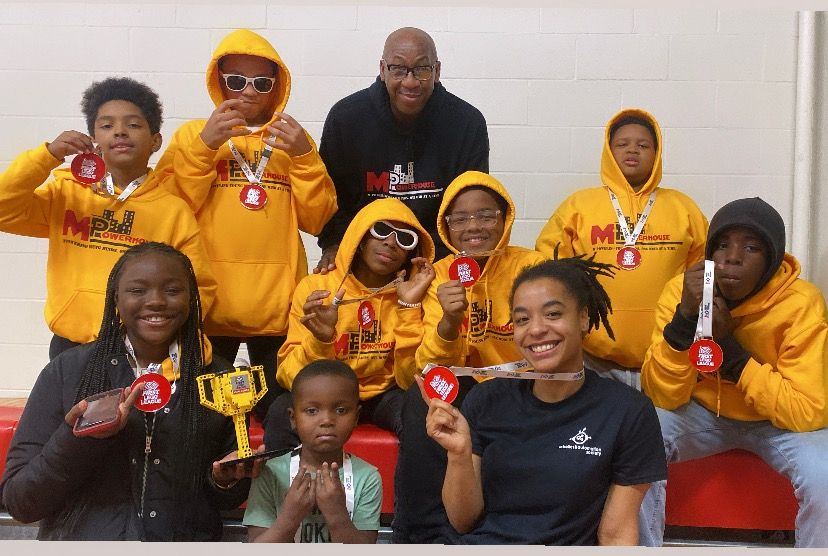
759,216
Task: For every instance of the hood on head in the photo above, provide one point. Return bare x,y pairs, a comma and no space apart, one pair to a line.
244,41
381,209
757,215
458,185
610,171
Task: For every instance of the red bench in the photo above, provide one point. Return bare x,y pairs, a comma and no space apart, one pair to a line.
732,490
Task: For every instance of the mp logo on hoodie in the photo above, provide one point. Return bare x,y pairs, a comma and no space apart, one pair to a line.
400,184
104,232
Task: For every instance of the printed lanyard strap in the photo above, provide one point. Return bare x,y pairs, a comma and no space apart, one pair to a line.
704,326
379,291
509,370
631,238
348,482
153,367
260,168
109,184
481,254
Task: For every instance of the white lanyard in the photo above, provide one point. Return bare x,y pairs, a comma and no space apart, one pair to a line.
479,255
704,326
260,168
109,184
509,370
631,238
154,367
348,482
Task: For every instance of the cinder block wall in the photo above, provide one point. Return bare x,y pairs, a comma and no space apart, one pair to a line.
547,79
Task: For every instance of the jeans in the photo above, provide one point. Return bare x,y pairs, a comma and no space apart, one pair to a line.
692,432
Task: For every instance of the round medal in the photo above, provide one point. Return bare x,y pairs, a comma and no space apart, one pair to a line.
441,383
88,168
466,270
706,355
253,196
156,394
366,315
628,257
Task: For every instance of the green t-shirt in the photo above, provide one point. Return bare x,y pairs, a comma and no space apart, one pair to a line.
268,491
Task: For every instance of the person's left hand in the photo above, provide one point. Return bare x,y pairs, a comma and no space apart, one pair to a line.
288,135
414,289
330,494
223,476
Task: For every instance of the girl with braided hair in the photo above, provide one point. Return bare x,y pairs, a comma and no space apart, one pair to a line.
563,457
152,476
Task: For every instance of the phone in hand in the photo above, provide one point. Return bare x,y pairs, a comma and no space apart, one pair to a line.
101,414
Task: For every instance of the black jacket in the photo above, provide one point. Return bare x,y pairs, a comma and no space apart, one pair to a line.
363,147
48,469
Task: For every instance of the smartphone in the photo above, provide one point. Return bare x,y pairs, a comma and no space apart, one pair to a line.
101,413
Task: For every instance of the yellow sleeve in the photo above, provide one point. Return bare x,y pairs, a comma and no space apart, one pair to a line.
25,204
192,163
313,191
698,235
559,231
667,377
433,348
408,335
301,347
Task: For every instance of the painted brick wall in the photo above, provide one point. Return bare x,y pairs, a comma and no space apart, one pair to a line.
547,79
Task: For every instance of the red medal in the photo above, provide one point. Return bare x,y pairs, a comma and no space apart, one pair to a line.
88,168
706,355
466,270
253,196
441,383
366,315
156,394
628,257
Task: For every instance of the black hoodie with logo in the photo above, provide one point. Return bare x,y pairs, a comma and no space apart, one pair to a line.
369,155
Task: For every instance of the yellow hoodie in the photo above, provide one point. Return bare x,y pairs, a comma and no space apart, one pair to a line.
87,234
257,255
784,326
381,356
672,239
487,334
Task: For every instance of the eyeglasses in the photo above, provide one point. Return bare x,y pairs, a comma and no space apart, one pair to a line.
398,72
238,83
406,239
485,218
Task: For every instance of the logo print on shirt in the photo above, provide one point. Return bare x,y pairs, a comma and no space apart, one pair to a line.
579,444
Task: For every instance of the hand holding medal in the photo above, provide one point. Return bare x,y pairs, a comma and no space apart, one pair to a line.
444,422
321,318
87,166
412,291
705,354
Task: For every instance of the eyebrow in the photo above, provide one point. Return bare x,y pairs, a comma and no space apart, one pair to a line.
547,305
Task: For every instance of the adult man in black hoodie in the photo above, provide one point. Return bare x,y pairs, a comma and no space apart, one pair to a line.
405,136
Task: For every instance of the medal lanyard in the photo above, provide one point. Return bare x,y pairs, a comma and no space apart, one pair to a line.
479,255
153,367
379,291
260,168
631,238
348,482
704,326
108,184
509,370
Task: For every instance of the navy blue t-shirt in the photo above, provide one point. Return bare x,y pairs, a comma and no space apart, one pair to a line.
547,467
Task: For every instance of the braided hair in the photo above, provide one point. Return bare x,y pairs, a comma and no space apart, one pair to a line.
579,275
110,343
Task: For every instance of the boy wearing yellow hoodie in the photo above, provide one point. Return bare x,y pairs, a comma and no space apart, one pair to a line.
253,178
90,226
470,327
366,312
650,232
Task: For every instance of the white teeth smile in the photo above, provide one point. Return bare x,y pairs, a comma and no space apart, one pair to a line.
155,319
542,347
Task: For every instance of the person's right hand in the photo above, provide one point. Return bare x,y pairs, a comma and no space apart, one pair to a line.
328,260
123,412
320,318
445,423
224,123
691,292
301,496
453,300
70,142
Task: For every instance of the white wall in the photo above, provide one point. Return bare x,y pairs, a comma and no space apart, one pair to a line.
546,79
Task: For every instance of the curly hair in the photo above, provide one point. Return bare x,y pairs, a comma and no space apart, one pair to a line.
122,88
579,276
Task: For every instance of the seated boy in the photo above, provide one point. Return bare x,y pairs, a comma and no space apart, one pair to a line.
89,227
318,492
254,179
769,395
463,325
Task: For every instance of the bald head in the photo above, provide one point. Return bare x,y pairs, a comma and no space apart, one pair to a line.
410,35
